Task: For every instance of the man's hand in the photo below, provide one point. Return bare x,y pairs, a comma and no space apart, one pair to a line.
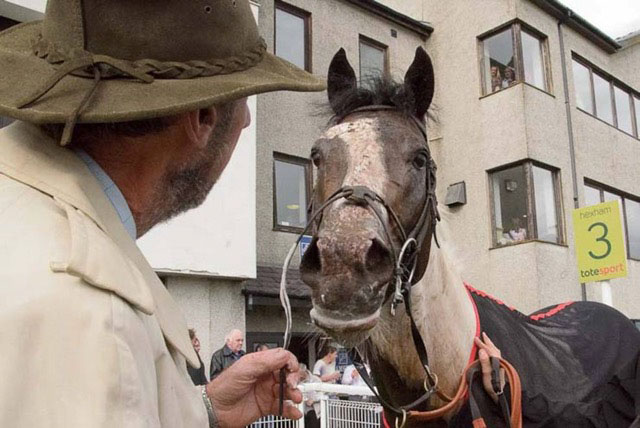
488,349
250,388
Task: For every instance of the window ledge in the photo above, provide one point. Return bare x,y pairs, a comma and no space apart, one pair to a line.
296,230
607,123
513,86
539,241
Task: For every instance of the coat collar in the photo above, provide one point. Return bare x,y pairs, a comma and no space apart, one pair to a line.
33,158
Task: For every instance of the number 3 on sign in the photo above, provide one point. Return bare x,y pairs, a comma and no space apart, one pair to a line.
599,242
603,238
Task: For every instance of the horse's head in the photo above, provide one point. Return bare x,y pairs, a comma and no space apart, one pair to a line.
374,190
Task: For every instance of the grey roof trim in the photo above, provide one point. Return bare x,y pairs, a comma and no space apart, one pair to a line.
422,28
629,39
579,24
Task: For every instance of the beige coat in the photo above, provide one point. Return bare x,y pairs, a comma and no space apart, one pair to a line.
89,336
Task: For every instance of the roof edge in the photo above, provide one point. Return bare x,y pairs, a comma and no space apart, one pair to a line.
422,28
579,24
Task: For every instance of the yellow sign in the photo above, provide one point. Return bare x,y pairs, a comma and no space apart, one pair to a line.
599,242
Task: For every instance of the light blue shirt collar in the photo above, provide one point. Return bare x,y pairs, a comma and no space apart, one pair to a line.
113,193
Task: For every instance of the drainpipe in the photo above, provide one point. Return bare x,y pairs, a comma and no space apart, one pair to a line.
572,149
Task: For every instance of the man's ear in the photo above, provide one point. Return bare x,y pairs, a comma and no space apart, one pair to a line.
200,125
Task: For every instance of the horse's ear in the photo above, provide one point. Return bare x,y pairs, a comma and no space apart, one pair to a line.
419,79
341,77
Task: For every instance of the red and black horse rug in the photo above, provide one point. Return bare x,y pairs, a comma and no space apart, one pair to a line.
578,364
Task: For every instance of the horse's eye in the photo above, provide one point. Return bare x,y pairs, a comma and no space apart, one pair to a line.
315,157
421,160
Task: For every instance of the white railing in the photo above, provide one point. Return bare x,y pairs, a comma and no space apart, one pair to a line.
334,413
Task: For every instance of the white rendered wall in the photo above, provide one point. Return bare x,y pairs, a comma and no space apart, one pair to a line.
22,10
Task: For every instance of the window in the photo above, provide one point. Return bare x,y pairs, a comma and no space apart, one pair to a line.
292,183
595,194
602,90
373,59
623,110
526,204
582,83
513,55
606,98
292,38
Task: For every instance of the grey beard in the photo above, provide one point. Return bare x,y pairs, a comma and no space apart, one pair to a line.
180,191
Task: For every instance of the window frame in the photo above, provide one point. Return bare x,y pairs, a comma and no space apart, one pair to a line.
362,39
517,26
308,177
306,17
624,196
532,219
613,83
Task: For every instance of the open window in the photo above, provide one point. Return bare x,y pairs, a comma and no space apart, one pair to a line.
512,55
526,204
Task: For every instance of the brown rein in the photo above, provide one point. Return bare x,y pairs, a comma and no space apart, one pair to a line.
461,394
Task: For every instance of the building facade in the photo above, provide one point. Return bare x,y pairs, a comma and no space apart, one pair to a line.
536,110
538,113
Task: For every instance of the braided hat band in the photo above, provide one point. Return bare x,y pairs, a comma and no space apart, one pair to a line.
85,64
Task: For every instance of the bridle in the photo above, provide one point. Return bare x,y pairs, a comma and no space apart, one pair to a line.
404,259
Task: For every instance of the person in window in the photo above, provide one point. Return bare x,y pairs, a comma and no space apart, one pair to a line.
517,233
509,77
496,79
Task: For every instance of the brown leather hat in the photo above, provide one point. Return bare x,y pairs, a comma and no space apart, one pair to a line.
120,60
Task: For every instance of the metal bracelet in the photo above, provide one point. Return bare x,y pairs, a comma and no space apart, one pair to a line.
213,418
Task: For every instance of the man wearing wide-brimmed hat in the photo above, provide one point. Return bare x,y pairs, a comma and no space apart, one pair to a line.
127,112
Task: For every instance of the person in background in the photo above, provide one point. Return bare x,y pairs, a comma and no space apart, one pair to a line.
509,77
197,375
496,79
352,377
262,347
517,232
311,398
228,354
325,367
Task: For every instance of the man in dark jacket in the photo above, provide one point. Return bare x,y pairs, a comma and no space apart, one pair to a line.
228,354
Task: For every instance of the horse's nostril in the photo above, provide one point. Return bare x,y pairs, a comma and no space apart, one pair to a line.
310,264
378,259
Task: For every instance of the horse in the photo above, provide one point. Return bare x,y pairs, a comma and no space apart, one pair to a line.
374,215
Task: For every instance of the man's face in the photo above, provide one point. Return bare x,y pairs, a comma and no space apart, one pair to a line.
332,356
235,342
188,184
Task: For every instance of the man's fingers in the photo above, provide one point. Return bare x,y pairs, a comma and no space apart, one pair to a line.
493,349
293,394
257,364
486,344
289,411
485,365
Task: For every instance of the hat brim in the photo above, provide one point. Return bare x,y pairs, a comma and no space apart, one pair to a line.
116,100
